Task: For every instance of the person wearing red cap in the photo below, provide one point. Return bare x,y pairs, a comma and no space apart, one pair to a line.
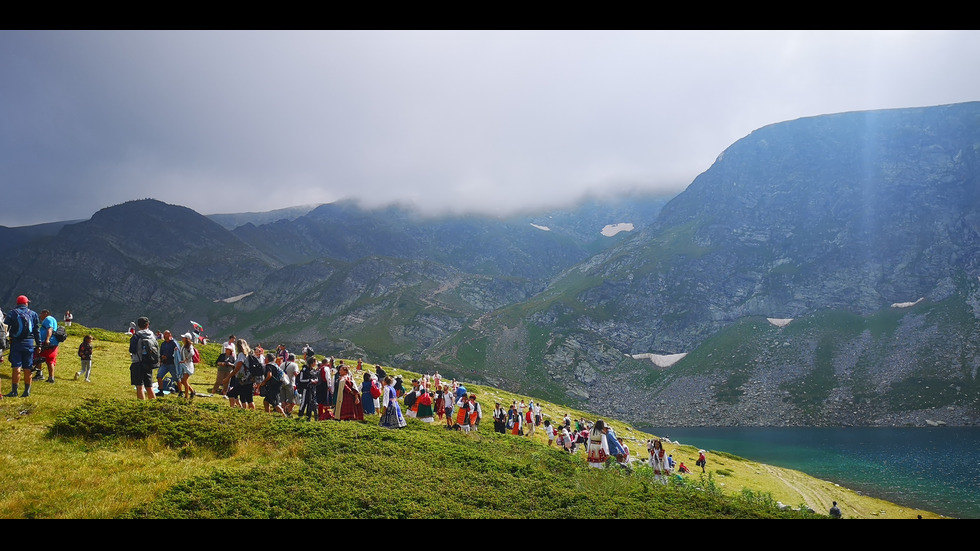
24,328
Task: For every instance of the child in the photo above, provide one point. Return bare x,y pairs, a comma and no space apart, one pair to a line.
550,431
85,353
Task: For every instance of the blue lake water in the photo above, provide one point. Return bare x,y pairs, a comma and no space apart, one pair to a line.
936,469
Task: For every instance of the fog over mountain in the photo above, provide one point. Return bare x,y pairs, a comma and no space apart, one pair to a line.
822,271
451,122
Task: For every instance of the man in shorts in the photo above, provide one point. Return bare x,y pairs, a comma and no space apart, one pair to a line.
271,386
141,345
23,329
48,350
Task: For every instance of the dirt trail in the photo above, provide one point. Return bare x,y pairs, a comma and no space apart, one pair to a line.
818,504
819,495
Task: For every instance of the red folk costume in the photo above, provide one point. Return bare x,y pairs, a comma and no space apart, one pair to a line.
348,401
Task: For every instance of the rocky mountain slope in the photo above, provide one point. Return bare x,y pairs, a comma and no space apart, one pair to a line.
846,213
821,271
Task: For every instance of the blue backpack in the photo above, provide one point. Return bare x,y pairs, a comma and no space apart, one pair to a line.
24,327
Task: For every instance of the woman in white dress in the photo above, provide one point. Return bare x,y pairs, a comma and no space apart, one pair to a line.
657,461
598,447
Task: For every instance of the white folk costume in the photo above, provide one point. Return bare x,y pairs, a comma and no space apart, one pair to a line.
598,450
659,464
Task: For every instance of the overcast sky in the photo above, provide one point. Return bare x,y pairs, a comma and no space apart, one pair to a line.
467,121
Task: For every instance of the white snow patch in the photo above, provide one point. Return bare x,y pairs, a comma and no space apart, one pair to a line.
779,322
229,300
542,228
613,229
907,304
660,360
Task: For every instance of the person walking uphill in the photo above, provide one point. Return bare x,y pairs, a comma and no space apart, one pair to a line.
24,333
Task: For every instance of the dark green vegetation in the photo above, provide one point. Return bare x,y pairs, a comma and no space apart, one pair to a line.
358,470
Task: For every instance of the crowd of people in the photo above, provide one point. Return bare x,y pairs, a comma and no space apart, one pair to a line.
320,388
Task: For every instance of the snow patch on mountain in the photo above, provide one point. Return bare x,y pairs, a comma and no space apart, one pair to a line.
612,229
660,360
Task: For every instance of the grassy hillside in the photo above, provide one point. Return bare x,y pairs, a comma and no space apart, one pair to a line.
80,450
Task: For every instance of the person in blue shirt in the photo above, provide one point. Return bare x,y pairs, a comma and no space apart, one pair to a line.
49,344
23,328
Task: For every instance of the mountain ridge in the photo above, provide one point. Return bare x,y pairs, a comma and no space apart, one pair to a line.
823,220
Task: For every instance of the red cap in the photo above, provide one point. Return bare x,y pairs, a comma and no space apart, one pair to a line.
22,300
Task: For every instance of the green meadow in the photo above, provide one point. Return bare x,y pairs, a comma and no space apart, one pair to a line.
92,450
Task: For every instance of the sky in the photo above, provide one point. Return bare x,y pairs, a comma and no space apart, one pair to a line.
490,122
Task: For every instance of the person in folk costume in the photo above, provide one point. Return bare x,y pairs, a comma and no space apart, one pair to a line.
476,413
417,391
598,447
448,405
399,386
567,440
516,421
657,461
391,416
376,392
367,395
437,380
348,406
625,459
463,414
440,404
331,380
336,378
423,403
499,419
324,397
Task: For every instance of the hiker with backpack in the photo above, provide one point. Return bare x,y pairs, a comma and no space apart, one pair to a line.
247,368
271,386
306,383
23,330
50,339
145,356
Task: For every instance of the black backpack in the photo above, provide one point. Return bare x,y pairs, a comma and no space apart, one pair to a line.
255,368
61,334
